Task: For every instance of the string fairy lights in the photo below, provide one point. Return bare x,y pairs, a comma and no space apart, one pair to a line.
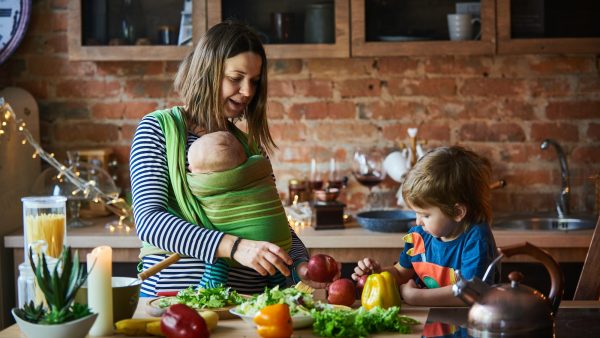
113,202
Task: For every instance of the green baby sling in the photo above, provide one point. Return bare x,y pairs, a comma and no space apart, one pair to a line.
242,201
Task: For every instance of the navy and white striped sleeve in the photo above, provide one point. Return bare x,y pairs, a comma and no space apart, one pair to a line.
149,186
298,253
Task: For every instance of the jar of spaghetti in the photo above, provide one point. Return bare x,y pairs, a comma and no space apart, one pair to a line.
44,225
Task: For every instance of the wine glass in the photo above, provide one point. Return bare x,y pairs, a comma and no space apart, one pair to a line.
367,168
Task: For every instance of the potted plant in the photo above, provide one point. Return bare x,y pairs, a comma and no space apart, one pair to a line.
62,317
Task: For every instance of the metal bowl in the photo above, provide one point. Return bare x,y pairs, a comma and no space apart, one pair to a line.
387,220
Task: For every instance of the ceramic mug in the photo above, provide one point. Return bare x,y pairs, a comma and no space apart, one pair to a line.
460,27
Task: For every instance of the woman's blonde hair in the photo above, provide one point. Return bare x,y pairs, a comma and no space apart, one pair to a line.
449,175
200,75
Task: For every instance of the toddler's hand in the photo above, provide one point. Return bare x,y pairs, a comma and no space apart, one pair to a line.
366,266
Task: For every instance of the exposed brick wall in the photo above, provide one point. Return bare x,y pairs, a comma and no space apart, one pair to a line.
501,106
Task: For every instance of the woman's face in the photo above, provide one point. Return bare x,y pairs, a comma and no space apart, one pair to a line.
240,79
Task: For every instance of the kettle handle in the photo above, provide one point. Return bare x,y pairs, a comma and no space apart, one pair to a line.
556,275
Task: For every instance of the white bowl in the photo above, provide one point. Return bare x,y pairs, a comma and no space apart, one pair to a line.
298,321
74,329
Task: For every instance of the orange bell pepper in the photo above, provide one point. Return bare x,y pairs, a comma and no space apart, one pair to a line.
274,321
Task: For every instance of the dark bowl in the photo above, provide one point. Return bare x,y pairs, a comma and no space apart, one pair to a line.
387,220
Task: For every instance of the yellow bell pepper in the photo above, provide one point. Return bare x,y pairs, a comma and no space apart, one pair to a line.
380,290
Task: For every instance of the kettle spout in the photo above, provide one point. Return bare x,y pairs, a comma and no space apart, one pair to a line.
469,291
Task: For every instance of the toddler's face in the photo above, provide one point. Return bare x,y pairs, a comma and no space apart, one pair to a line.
435,222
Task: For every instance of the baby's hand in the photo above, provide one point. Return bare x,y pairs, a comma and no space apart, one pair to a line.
366,266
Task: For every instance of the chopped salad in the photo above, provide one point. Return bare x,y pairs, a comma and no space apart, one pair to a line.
300,302
211,298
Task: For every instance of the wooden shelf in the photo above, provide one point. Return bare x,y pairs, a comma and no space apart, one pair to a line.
508,45
78,51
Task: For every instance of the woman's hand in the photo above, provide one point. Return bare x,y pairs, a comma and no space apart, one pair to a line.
366,266
302,270
264,257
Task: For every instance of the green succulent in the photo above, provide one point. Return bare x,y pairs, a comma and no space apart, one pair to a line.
59,289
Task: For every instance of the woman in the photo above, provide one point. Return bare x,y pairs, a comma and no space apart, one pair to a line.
223,80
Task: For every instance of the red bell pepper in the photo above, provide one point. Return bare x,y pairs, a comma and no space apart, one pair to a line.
181,321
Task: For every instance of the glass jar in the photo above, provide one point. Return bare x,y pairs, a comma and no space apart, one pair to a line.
297,188
44,225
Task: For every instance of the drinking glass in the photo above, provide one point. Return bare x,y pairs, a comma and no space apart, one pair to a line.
367,168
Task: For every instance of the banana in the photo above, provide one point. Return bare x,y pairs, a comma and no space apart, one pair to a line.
211,318
153,328
134,326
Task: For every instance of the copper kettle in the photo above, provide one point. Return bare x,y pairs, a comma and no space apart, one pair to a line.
512,310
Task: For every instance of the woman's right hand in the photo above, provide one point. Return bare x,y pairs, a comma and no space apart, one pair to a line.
366,266
264,257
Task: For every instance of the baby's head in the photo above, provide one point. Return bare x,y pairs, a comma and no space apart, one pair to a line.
453,179
213,152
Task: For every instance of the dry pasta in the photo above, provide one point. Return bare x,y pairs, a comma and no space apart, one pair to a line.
49,228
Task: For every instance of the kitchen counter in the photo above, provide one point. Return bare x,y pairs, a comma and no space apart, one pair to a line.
345,245
237,328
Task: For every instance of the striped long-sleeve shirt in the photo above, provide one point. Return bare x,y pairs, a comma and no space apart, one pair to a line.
150,184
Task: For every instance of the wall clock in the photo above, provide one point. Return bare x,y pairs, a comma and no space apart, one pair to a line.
14,17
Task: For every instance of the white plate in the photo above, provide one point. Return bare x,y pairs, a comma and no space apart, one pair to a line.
298,321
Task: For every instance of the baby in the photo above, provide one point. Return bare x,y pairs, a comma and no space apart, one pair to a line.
238,195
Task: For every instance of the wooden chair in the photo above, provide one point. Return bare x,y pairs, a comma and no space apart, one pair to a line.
588,287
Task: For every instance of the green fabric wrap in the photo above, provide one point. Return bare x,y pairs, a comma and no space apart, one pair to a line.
244,202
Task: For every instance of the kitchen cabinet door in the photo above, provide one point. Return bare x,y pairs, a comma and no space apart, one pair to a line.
291,28
122,30
548,26
421,27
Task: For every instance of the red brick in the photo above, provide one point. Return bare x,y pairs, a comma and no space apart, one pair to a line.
533,202
558,131
559,64
284,67
589,85
459,65
438,131
319,68
37,88
554,87
87,89
593,131
41,21
127,132
516,109
86,132
586,154
492,87
171,67
527,178
422,87
59,67
359,87
431,132
515,153
150,89
399,109
406,66
573,110
322,110
123,110
122,154
493,132
56,43
313,88
283,88
288,132
130,68
59,21
346,132
275,110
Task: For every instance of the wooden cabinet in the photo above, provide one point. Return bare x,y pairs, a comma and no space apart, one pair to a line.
261,15
415,27
548,26
368,28
81,50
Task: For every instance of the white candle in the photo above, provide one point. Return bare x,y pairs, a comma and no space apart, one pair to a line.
332,173
313,169
100,290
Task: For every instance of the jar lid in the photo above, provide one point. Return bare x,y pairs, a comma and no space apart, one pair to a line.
43,201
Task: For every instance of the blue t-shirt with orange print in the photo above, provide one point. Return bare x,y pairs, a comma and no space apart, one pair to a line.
436,261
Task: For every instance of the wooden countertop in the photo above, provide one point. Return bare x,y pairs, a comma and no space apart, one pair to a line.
236,328
566,246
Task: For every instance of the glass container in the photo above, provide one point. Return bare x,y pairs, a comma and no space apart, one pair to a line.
44,225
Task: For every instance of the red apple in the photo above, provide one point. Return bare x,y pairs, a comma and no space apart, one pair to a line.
322,268
360,283
341,292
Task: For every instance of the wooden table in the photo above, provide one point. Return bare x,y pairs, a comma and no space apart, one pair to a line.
236,328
